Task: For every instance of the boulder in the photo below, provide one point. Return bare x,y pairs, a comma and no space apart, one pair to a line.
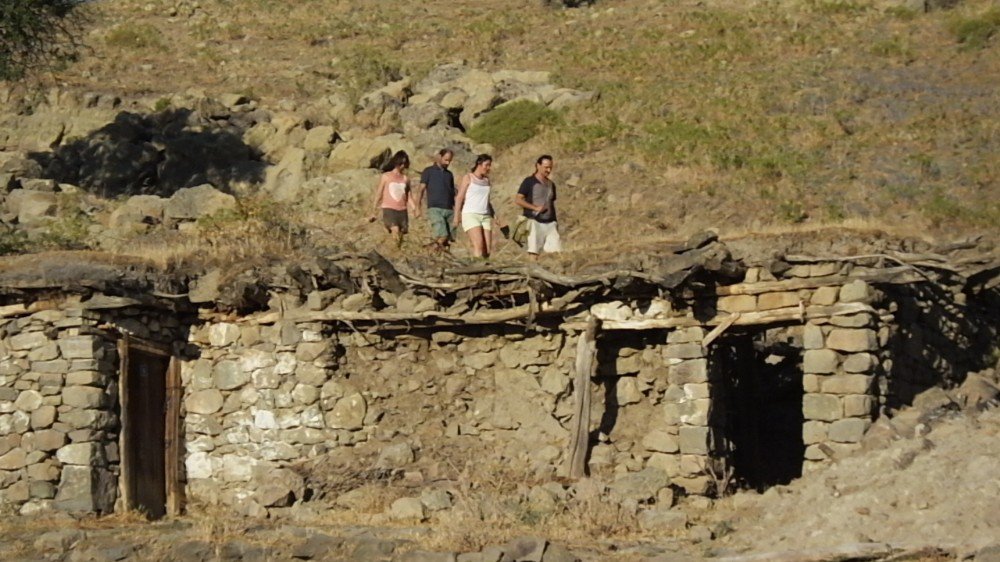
343,188
284,179
31,207
367,152
138,209
191,203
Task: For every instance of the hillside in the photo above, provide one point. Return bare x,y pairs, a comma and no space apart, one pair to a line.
735,115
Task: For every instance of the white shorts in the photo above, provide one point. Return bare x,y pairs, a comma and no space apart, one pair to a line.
543,237
473,220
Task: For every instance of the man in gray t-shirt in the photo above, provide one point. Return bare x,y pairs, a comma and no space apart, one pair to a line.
537,196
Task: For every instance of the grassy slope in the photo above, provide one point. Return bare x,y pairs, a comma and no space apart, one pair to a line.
738,115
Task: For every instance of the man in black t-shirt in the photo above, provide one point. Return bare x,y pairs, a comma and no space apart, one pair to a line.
537,196
438,183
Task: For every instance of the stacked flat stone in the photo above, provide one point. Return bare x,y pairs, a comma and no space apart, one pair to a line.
58,446
840,364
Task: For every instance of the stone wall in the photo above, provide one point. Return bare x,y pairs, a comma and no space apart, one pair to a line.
59,415
58,429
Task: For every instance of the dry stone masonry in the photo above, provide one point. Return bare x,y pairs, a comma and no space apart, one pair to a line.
708,374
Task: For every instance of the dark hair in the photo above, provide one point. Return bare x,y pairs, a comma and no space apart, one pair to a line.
446,151
480,159
543,158
397,159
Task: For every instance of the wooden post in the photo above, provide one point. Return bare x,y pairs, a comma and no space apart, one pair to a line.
124,423
172,458
586,365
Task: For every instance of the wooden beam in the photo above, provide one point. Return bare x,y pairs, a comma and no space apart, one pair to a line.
172,439
124,439
586,366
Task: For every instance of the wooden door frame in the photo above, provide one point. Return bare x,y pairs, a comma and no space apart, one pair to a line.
172,427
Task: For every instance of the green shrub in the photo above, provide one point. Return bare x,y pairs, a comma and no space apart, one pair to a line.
975,31
512,123
70,230
138,36
12,240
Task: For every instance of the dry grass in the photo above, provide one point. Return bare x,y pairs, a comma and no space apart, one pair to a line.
741,116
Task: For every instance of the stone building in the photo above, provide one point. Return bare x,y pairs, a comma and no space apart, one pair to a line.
120,391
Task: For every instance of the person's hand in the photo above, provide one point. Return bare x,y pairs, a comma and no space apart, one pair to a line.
372,218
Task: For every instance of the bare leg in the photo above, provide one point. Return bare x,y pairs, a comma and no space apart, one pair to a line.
488,242
478,241
397,235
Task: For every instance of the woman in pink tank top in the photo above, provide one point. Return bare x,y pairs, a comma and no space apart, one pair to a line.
392,196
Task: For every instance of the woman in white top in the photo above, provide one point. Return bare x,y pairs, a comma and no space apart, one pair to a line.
472,204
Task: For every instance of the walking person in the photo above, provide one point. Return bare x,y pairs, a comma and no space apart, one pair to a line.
392,196
537,196
472,206
437,185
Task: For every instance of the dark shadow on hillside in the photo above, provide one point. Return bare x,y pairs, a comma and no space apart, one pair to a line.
155,154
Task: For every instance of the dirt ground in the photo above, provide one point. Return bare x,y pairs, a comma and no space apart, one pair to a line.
925,488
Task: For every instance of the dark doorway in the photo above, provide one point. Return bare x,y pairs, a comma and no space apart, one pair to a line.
762,395
148,412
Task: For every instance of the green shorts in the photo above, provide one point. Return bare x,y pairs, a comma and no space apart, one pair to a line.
440,220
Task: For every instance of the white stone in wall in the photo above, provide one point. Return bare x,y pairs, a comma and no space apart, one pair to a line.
252,360
286,363
28,400
81,454
860,363
223,334
696,412
265,379
237,468
312,417
658,308
202,443
198,465
311,336
615,311
264,419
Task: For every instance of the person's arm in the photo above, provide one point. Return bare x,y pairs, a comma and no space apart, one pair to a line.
460,200
378,198
420,193
411,201
521,199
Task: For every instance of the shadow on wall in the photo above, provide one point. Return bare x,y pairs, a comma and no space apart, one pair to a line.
937,342
155,154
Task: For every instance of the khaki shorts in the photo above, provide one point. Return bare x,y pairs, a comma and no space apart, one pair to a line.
472,220
543,237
